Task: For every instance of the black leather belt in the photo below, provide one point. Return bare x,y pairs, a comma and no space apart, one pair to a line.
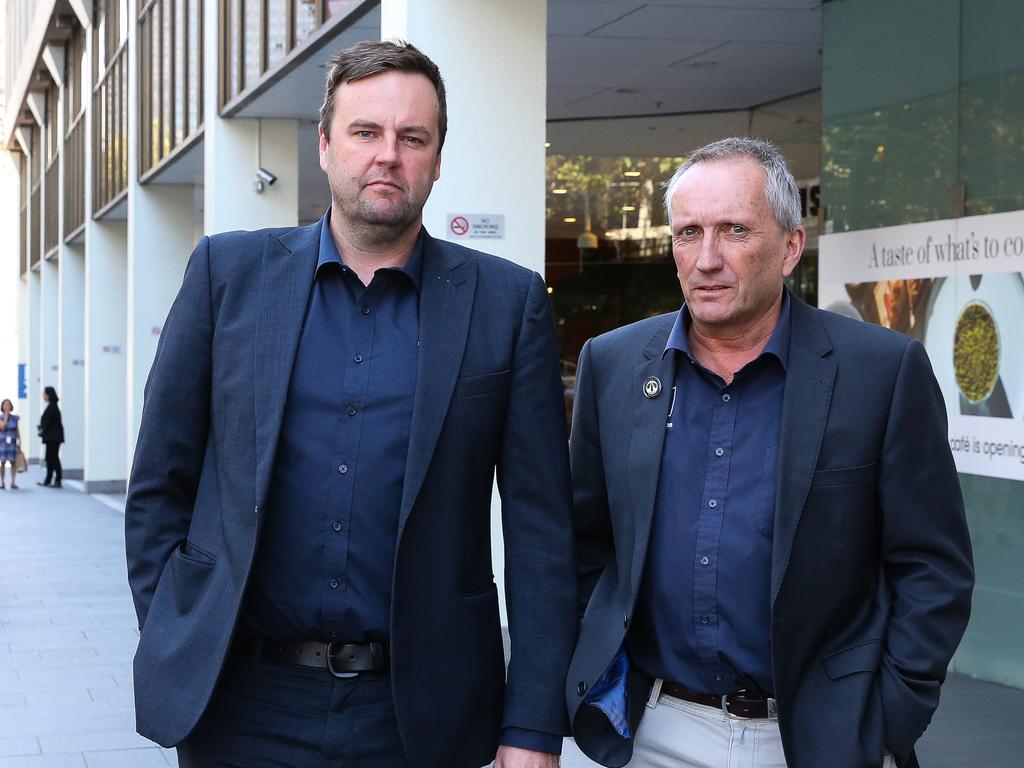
340,659
753,706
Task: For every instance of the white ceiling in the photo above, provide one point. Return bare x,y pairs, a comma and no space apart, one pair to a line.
635,58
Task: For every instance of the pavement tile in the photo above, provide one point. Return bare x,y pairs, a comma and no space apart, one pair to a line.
96,741
19,745
43,761
126,758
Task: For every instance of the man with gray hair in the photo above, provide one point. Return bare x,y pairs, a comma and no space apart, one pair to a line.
775,567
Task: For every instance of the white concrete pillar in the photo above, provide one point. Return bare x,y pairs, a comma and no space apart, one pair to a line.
49,365
34,400
71,357
106,451
160,239
233,148
493,57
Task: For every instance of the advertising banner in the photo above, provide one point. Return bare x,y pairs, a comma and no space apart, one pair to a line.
958,287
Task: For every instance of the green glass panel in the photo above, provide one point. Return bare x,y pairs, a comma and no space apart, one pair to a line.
889,111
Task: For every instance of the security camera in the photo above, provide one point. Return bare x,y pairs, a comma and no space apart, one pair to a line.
264,179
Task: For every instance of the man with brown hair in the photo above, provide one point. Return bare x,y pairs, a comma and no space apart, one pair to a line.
308,521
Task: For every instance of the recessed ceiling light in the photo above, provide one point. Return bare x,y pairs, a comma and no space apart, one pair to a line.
569,219
631,173
559,191
628,208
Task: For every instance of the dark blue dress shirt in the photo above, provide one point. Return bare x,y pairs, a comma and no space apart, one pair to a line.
323,569
703,614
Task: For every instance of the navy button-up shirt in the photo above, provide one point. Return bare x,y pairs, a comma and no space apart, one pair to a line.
323,569
703,614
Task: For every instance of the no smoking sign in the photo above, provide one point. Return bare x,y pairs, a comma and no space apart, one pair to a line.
476,226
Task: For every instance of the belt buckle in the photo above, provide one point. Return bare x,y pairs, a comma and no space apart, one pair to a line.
330,663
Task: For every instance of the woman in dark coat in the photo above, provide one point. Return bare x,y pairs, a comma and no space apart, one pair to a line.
51,429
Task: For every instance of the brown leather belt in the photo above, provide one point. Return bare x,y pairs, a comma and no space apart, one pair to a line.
752,706
340,659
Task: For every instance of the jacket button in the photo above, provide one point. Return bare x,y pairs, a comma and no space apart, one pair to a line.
581,688
625,621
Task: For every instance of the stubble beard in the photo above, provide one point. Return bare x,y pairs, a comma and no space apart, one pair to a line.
382,220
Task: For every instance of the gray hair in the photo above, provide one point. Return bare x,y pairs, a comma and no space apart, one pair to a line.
779,185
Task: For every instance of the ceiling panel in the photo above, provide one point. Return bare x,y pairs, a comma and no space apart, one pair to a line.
716,23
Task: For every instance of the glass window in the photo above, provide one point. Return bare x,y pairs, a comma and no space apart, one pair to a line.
306,19
277,31
253,54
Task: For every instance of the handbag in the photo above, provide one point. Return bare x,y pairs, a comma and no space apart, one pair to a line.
20,463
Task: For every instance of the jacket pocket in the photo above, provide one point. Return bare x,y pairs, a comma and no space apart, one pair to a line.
472,386
825,478
865,657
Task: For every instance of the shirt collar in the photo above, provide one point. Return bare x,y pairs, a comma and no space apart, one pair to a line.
778,344
329,254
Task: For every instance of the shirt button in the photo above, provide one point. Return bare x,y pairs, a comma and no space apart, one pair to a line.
343,468
726,397
364,309
705,619
705,560
719,451
718,677
333,583
357,358
336,525
351,410
713,503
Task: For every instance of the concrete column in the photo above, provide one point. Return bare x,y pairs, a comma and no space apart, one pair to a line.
49,363
71,357
34,401
493,56
159,243
105,291
233,148
160,239
106,286
492,163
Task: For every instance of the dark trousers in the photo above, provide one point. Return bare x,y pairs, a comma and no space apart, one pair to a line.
53,468
282,716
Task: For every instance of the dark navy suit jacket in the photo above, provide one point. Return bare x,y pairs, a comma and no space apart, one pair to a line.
871,571
488,395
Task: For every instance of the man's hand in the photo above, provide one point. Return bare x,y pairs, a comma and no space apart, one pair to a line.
514,757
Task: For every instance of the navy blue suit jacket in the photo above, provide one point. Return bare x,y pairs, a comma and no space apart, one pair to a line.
871,571
488,396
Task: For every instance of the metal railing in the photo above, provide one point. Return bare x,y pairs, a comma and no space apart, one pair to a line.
170,79
74,178
110,133
51,192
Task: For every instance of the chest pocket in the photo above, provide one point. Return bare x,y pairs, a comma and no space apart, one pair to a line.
485,384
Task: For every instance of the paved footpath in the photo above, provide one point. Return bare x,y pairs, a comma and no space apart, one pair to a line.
68,633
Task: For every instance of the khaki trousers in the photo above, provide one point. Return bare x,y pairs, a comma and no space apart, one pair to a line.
680,734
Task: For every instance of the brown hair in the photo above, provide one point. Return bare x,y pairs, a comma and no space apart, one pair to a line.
372,58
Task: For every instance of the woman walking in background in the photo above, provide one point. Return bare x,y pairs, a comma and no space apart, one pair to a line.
10,439
51,429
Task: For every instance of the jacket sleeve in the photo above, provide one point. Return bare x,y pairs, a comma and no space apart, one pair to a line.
926,552
173,435
592,518
540,565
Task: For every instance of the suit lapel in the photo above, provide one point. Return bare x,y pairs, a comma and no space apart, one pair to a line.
806,399
446,302
286,278
647,439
